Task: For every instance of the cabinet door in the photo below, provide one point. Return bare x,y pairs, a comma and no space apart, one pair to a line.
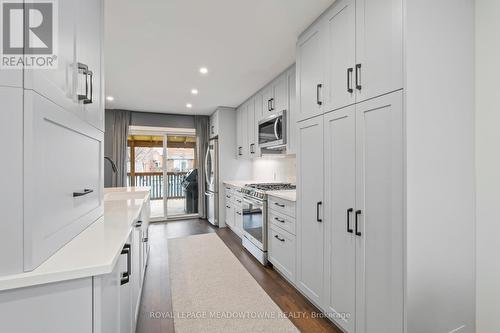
238,220
106,298
310,73
89,43
126,293
251,128
280,94
292,114
340,184
229,214
136,271
240,113
59,84
267,101
310,227
341,42
379,47
379,206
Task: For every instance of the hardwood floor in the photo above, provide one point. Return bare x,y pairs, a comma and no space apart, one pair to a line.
156,297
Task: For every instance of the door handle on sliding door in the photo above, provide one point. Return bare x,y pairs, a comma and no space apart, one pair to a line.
358,212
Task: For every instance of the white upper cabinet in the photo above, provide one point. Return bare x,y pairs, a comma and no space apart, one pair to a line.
240,139
77,83
341,53
280,94
291,114
252,144
89,40
214,125
267,101
310,69
379,47
59,84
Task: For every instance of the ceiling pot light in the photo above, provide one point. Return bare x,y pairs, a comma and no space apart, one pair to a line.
194,91
203,70
189,105
110,98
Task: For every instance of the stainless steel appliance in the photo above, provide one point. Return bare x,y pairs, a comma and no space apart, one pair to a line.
273,131
212,181
254,207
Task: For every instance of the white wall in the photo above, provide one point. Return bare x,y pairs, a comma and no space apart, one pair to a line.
440,174
488,165
275,169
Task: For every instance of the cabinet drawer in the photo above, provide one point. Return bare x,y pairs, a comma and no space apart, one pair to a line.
282,206
282,251
283,221
63,162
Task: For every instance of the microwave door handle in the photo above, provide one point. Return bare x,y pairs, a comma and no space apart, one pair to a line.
276,128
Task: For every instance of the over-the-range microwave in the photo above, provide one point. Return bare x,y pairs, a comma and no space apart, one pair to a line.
272,131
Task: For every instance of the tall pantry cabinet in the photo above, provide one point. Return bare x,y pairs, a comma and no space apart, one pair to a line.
56,122
358,236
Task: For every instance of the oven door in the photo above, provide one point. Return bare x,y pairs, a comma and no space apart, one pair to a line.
272,131
254,222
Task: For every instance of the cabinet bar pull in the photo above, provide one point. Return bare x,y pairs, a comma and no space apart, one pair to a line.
82,193
358,233
349,80
279,220
269,105
349,212
279,205
318,204
278,238
126,276
272,104
358,76
318,87
138,224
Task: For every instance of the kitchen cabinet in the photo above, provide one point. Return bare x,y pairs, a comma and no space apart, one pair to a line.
275,96
353,52
107,308
340,185
281,236
310,226
310,67
241,132
358,203
252,129
379,213
340,35
214,125
76,84
51,216
292,113
379,47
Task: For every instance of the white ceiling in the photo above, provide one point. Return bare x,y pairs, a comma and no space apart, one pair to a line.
154,49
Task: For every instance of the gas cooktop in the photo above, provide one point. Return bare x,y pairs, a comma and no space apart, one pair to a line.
259,190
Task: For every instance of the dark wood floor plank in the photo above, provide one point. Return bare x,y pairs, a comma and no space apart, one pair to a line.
156,295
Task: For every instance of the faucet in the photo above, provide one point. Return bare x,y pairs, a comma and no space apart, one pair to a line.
113,165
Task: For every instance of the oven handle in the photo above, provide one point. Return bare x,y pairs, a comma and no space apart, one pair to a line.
253,201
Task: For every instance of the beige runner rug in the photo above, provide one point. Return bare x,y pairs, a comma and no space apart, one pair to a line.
213,292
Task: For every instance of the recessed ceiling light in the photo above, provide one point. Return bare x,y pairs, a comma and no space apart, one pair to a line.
203,70
189,105
110,98
194,91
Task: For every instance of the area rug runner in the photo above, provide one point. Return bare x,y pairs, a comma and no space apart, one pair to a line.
213,292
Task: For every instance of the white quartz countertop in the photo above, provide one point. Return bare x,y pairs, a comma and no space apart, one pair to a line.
93,252
290,195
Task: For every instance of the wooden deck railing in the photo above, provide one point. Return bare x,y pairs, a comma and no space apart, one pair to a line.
155,181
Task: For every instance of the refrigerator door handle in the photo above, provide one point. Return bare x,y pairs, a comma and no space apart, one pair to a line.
206,165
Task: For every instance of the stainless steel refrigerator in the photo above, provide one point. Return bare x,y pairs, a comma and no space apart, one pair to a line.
212,181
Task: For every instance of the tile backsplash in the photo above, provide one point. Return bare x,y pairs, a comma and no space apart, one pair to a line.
281,169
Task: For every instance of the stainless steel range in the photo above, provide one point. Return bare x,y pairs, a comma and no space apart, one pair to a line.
255,217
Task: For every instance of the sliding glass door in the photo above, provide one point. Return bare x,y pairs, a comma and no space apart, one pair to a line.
166,163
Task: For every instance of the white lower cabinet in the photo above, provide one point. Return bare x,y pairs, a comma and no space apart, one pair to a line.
356,212
234,214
